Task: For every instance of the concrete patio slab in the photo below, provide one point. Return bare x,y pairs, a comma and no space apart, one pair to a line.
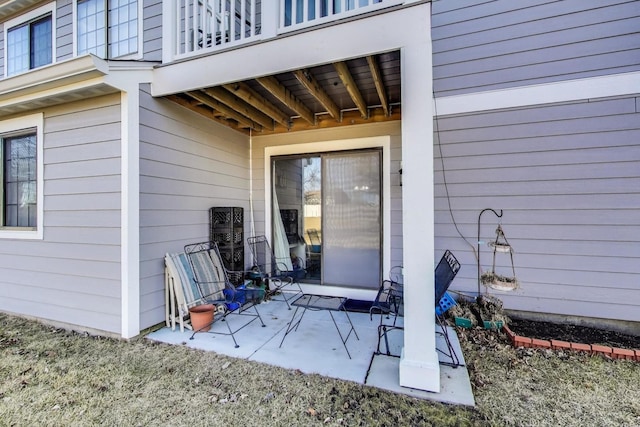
315,348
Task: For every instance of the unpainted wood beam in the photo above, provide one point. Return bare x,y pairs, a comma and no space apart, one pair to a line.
227,111
352,88
285,96
311,84
240,106
250,96
196,107
377,80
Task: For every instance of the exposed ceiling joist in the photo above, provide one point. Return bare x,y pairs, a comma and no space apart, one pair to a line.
250,96
311,84
352,88
227,111
377,80
240,106
285,96
197,107
349,92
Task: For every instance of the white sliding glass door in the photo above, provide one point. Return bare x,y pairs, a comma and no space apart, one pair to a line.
336,199
351,223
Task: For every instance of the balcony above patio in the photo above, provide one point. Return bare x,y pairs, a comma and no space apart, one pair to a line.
207,26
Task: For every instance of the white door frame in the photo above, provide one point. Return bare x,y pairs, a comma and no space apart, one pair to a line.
383,142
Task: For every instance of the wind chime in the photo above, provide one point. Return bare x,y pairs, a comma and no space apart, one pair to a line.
500,245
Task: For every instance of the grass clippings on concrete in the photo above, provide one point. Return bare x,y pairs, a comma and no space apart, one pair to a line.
56,377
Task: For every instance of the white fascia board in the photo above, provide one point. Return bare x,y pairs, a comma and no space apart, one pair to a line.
73,70
378,33
546,93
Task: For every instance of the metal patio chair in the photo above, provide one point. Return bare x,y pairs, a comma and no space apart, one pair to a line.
388,304
280,280
446,271
214,287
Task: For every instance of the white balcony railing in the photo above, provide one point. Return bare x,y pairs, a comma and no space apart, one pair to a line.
203,26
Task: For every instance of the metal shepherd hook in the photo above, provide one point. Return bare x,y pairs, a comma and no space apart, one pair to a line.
499,215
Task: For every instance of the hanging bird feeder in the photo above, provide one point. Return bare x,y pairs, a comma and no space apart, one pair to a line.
492,279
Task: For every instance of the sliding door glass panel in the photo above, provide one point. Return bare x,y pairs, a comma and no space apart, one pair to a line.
351,219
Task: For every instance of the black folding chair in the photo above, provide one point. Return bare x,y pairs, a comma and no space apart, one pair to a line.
446,270
274,272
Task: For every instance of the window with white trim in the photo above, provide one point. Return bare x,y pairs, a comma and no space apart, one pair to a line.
107,28
21,182
19,202
29,40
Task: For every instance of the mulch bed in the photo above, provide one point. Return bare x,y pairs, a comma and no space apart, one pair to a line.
573,333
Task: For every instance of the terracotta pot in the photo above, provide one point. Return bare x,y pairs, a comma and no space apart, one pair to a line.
202,317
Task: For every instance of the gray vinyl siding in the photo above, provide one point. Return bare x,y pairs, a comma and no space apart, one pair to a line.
73,274
187,165
488,45
568,179
64,30
152,30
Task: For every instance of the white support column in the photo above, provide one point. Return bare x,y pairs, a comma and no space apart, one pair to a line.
419,366
130,212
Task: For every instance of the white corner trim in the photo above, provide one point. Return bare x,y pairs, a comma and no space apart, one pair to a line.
547,93
29,122
129,211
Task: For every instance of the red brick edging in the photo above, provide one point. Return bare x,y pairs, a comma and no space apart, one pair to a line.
611,352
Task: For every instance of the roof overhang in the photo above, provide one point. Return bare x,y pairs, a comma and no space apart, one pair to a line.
78,78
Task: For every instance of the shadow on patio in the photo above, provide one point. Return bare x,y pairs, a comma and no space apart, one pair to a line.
316,348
